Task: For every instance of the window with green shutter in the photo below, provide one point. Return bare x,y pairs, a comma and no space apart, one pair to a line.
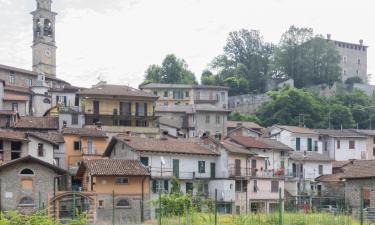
298,144
309,144
201,166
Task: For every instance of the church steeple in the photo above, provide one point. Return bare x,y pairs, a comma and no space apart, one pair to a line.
44,47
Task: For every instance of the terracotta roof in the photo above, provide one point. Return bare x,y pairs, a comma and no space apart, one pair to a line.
251,125
116,90
33,122
262,143
53,138
85,132
359,169
309,156
339,133
364,132
14,97
338,164
330,178
13,135
11,88
29,159
116,167
164,145
176,122
236,148
296,129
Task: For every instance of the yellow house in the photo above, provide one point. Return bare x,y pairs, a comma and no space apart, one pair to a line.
123,184
83,143
118,105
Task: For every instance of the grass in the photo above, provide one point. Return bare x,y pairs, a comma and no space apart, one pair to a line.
261,219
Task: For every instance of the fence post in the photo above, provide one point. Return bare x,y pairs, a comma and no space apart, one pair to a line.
215,206
280,208
113,207
160,204
39,201
74,204
361,206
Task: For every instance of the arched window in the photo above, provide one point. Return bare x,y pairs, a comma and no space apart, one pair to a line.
27,172
47,28
26,201
123,203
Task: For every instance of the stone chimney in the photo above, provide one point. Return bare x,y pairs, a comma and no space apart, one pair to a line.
164,134
361,42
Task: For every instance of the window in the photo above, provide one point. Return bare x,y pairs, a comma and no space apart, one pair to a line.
344,59
374,140
316,146
158,185
320,169
123,203
26,201
101,204
40,150
15,107
165,94
26,172
29,82
309,144
12,78
298,144
373,151
359,61
122,180
338,144
144,160
61,100
357,72
189,187
217,119
155,93
351,144
274,186
15,149
77,145
187,94
201,166
240,185
207,118
344,72
202,188
74,119
140,123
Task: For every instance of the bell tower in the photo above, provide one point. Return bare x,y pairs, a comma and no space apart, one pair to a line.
44,47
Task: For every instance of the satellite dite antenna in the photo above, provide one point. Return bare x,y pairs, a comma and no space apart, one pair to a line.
162,160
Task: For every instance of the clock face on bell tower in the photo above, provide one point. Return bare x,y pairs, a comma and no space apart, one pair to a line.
44,46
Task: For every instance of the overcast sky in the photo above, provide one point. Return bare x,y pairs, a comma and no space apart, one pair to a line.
118,39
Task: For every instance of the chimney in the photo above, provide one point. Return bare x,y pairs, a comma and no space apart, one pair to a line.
351,161
361,42
328,37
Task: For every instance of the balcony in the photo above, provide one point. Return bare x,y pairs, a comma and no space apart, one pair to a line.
71,109
156,172
117,120
254,173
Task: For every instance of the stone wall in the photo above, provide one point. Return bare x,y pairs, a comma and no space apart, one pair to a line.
247,104
353,193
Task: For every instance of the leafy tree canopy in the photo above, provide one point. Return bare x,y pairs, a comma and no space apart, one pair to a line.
172,71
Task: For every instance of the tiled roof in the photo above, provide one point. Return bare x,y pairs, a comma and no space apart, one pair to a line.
336,177
262,143
365,132
13,135
175,122
338,164
339,133
11,88
309,156
116,90
66,88
116,167
54,138
354,169
296,129
85,132
29,159
251,125
164,145
31,122
236,148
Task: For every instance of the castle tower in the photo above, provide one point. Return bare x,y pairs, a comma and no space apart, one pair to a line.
44,48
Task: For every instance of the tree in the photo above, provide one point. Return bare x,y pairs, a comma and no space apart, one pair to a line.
307,58
341,117
237,116
243,66
291,106
172,71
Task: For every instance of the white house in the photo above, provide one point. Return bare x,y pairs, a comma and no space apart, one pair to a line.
343,144
303,168
297,138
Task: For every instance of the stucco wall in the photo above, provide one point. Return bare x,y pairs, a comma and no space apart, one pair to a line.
47,149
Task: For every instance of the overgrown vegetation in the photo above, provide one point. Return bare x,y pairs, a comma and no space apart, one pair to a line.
38,218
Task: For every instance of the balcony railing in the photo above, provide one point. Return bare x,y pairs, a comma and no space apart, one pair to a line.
71,109
208,101
168,172
254,172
